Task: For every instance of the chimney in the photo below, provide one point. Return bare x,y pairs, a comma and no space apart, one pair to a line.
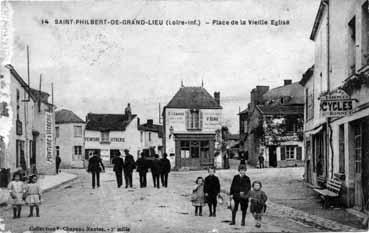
287,82
138,121
217,97
150,122
128,111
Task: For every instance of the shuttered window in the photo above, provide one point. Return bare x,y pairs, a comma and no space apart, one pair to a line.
194,119
299,153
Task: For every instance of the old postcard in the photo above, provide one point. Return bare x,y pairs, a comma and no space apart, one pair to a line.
184,116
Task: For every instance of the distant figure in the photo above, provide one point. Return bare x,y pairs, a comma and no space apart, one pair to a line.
212,189
142,169
57,163
164,170
95,166
257,200
118,168
155,171
198,196
129,166
239,192
261,161
33,196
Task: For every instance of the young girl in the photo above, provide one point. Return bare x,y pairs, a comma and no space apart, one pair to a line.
198,196
33,198
257,199
16,189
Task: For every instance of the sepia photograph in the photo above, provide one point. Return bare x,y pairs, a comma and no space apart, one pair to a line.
184,116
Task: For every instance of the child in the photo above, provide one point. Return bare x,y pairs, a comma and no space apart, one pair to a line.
198,196
257,199
212,190
16,189
33,198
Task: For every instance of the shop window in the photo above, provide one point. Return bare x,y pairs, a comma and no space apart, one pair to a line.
104,136
194,150
204,149
77,155
185,149
77,131
57,131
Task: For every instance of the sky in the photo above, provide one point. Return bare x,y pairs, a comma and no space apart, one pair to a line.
100,68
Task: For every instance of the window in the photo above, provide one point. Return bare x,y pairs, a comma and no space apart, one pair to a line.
357,147
288,152
194,119
57,131
195,149
341,149
149,136
57,149
141,136
352,46
185,149
365,33
77,155
104,136
18,100
20,159
77,131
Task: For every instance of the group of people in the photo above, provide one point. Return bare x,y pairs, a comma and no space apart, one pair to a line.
22,193
242,192
160,169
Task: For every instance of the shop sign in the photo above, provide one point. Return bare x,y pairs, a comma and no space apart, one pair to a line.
336,104
49,136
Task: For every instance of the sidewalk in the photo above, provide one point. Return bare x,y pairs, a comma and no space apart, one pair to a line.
47,182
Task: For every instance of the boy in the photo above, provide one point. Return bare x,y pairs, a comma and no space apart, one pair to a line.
257,200
211,190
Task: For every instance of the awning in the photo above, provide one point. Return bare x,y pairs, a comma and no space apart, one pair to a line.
315,130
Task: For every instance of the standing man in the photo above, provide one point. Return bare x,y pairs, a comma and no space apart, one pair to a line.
165,169
211,190
142,170
57,163
261,161
240,188
118,168
155,171
129,165
95,166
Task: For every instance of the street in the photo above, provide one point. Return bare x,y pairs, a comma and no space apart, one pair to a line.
76,206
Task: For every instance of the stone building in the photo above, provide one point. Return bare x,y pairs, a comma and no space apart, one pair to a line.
151,138
336,129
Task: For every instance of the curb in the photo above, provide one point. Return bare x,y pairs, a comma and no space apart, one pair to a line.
58,185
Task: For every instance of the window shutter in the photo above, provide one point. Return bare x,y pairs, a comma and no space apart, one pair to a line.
283,152
200,119
187,119
299,153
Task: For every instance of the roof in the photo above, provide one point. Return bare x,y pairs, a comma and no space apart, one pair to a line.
44,95
307,75
20,80
295,91
193,98
281,109
318,19
152,128
66,116
108,122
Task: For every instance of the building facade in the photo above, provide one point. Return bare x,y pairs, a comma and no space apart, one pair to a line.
151,138
27,120
191,120
110,134
336,129
69,139
273,125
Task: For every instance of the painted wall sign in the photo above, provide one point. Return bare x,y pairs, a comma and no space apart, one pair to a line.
336,104
49,136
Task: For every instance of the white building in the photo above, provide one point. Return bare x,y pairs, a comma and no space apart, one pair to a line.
109,134
191,120
151,138
69,142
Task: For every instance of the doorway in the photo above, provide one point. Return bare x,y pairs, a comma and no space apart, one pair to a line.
273,156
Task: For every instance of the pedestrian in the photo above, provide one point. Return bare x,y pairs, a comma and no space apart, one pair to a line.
17,191
118,168
142,169
165,169
57,163
155,171
198,196
95,166
33,196
129,166
261,161
257,202
239,192
212,190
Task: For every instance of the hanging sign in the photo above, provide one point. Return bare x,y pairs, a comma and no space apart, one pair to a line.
336,104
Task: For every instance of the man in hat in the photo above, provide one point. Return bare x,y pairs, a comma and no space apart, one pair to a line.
129,165
118,168
95,166
240,188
